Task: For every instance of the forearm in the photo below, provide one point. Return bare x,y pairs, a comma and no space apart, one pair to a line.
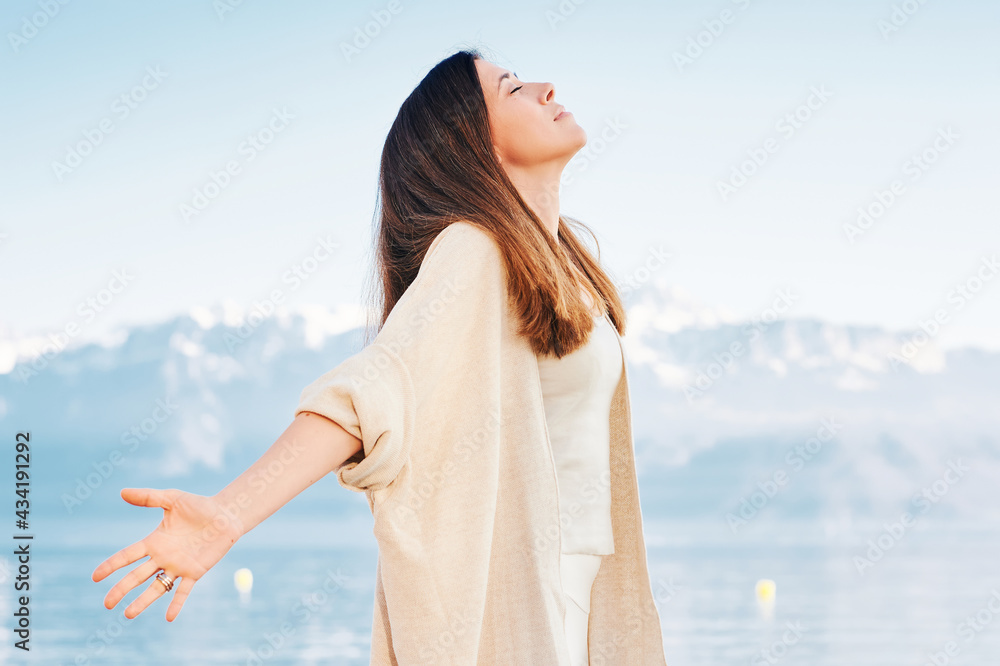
309,449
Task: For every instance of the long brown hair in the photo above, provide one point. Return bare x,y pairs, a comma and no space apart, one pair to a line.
438,166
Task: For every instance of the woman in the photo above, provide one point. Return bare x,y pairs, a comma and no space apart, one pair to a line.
474,421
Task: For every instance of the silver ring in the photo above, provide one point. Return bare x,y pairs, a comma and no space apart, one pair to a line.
167,581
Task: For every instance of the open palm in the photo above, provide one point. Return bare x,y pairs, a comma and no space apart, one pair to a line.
193,536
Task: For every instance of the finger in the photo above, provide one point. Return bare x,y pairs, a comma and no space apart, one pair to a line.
149,595
134,578
183,590
122,558
148,497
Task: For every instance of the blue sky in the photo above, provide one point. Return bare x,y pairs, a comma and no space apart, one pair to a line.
868,98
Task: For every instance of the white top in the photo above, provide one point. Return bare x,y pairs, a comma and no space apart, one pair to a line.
577,391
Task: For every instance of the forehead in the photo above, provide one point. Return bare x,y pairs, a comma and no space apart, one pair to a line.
491,71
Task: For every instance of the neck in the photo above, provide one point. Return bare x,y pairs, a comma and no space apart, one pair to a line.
539,187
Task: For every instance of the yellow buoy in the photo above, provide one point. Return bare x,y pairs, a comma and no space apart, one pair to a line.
765,589
243,579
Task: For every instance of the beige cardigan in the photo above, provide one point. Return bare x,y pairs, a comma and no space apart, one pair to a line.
458,471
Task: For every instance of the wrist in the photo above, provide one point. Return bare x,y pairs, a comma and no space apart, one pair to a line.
229,511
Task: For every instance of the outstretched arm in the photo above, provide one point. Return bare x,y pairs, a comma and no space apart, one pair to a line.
197,531
309,449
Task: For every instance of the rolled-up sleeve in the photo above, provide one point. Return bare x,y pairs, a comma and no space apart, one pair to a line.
369,395
380,393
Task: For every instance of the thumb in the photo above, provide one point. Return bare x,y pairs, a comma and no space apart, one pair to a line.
147,497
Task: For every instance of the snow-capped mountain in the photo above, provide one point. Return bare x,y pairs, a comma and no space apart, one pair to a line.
850,420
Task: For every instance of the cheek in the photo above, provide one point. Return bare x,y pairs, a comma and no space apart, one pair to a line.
526,137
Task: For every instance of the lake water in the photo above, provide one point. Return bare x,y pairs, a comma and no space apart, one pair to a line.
934,585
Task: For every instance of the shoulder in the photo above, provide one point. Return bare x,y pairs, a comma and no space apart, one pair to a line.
466,253
464,240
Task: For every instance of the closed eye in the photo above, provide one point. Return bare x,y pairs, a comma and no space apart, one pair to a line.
516,89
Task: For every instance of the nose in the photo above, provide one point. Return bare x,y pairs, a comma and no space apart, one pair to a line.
550,91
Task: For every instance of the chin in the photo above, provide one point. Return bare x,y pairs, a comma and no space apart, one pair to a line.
573,150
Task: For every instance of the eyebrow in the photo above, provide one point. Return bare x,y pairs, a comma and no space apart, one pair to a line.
505,75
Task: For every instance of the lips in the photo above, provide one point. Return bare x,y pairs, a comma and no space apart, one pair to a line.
562,112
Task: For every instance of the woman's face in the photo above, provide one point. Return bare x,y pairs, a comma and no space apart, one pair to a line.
523,120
